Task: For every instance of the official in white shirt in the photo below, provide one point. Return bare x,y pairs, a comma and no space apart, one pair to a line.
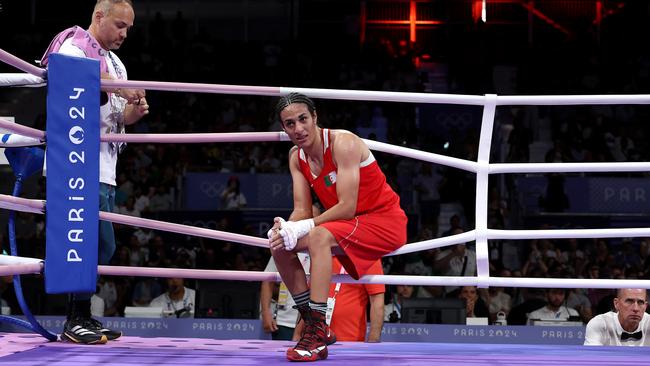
627,326
178,301
555,309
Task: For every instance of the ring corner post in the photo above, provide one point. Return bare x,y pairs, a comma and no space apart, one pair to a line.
482,189
72,218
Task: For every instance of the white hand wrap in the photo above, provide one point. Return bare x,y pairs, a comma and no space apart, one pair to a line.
291,231
269,233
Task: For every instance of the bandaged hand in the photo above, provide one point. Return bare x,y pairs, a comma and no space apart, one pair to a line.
277,222
292,231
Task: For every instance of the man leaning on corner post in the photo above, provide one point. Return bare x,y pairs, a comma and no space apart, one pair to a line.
111,20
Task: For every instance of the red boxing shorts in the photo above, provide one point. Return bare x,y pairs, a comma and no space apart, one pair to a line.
368,237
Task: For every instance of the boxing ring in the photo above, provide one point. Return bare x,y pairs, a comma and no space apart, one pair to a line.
30,349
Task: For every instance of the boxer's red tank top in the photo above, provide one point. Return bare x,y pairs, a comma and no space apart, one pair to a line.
375,195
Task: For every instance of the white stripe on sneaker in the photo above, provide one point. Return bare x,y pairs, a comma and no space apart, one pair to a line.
79,330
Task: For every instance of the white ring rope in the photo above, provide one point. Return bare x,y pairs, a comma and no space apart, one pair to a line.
522,168
193,138
368,95
31,265
25,66
14,265
204,274
22,204
21,79
22,130
19,269
38,206
13,260
14,140
483,168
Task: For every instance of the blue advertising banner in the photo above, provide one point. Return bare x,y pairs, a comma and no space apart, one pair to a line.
619,195
72,156
202,191
606,195
392,332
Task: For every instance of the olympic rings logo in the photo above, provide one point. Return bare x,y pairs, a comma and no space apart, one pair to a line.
460,119
212,189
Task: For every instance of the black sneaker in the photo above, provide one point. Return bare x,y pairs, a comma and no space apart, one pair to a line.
80,330
97,326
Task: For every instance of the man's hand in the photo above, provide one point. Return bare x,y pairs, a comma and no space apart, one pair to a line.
134,112
132,96
269,324
141,107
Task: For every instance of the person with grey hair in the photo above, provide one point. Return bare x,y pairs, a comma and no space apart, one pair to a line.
110,23
628,325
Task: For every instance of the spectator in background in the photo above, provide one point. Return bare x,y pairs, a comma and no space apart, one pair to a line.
161,200
137,253
533,298
497,210
519,140
122,256
578,300
536,260
232,198
555,309
474,306
573,257
393,310
107,290
644,248
178,301
454,226
427,183
128,208
141,199
270,163
124,188
599,297
456,260
627,257
499,301
555,200
158,252
144,291
185,254
97,306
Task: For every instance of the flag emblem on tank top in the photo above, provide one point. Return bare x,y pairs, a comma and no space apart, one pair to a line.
330,179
